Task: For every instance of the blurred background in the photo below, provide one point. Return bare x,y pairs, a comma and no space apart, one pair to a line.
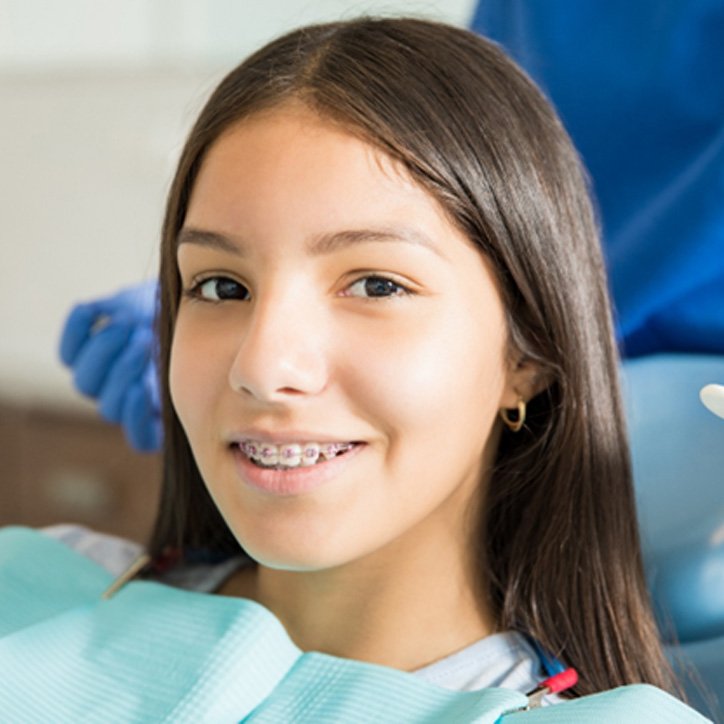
96,97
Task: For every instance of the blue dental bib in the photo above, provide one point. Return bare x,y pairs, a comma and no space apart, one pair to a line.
153,653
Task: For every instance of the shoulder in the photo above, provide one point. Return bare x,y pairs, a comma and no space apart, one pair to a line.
625,705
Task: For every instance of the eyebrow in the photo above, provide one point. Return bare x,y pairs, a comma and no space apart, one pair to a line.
319,245
210,239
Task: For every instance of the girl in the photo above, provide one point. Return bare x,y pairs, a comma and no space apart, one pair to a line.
390,400
377,238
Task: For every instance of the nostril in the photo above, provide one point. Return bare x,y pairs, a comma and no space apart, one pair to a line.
271,365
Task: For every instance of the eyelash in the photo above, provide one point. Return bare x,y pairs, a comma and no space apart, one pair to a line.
194,292
402,290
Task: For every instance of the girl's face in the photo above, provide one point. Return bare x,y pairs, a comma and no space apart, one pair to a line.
328,299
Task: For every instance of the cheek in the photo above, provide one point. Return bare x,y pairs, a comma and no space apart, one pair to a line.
194,372
439,373
181,375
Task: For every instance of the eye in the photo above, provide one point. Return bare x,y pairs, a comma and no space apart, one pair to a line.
219,289
375,287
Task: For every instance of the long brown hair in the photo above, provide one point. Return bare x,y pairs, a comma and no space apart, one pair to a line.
558,543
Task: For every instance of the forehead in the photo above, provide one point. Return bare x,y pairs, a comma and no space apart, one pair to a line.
290,175
292,148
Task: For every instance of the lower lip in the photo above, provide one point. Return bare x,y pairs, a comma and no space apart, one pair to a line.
294,481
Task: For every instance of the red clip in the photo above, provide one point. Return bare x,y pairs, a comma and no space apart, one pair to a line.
560,682
552,685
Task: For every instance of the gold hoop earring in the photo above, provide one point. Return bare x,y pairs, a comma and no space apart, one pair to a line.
517,424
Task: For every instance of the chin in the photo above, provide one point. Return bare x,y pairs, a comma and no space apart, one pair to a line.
303,561
290,551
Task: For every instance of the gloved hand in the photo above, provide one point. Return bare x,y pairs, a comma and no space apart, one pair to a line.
109,344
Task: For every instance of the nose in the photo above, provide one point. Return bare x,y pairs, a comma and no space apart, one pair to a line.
282,349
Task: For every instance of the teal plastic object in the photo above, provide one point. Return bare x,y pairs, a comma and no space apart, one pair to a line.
158,654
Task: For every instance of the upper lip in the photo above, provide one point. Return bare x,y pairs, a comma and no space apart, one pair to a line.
281,437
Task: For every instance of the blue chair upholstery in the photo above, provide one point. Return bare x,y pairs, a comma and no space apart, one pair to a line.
678,460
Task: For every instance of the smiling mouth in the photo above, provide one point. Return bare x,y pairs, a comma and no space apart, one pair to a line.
294,455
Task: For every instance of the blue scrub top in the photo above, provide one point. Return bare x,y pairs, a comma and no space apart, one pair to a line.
640,87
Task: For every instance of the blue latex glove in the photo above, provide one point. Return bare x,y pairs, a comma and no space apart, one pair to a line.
109,345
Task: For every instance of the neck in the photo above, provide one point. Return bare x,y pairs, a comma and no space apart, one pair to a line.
403,606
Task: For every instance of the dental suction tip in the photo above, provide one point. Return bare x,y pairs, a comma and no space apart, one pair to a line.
713,398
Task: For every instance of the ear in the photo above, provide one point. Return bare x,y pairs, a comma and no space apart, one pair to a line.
525,379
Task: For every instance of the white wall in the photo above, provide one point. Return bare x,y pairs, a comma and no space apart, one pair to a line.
95,99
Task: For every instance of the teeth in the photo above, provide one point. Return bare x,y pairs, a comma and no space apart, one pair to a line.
292,455
328,451
310,453
269,455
